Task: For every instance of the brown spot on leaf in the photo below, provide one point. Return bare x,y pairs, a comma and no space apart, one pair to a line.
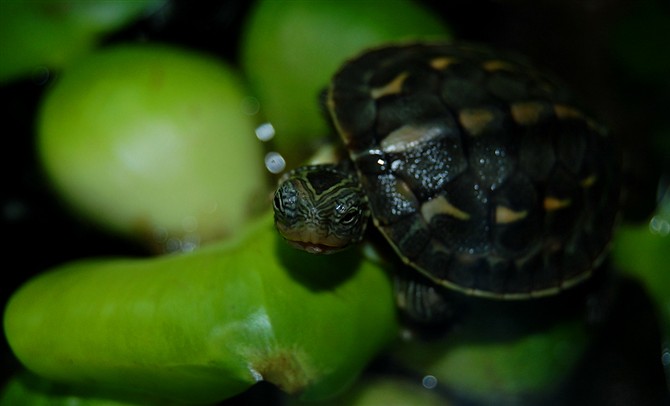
286,369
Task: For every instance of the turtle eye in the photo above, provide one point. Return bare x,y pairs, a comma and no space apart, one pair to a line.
350,217
277,203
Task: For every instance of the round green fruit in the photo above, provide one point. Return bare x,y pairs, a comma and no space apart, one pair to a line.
291,49
153,142
500,371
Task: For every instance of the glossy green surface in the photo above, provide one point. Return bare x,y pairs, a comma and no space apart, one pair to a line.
206,325
152,142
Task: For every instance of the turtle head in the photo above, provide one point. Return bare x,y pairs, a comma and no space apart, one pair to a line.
320,209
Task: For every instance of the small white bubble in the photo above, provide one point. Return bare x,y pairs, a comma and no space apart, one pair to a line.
250,105
274,162
660,226
172,244
265,132
429,382
189,243
665,358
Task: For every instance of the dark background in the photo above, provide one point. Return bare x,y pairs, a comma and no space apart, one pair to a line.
579,40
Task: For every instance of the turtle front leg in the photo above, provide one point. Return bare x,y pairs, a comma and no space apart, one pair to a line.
421,301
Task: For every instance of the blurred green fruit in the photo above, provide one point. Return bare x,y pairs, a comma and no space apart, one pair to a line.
290,50
500,371
643,252
376,391
51,33
154,142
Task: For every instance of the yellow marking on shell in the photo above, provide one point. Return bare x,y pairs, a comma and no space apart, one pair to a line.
505,215
526,113
475,121
326,154
553,203
588,181
442,62
440,205
406,192
408,137
566,112
392,87
497,64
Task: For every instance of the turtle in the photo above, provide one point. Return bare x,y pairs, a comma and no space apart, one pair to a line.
481,172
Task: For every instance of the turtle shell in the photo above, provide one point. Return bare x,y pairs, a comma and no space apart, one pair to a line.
479,170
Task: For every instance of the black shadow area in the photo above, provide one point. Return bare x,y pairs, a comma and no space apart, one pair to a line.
318,272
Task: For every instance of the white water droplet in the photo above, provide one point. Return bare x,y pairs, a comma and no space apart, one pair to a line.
274,162
265,132
429,382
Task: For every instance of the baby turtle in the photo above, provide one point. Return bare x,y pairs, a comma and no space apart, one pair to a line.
479,170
